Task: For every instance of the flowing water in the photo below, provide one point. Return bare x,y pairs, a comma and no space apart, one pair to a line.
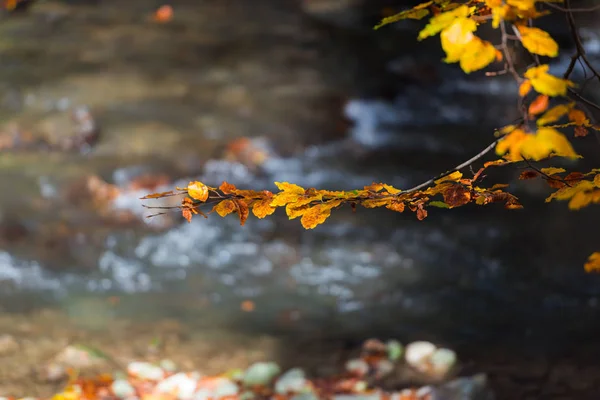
168,98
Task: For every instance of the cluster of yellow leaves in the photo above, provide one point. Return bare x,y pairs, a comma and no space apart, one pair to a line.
456,23
544,83
580,189
518,145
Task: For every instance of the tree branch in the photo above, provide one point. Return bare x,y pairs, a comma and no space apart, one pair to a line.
458,167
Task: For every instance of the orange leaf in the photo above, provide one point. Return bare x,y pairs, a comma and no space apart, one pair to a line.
525,88
593,263
225,208
555,182
574,177
163,14
457,195
499,56
262,208
421,212
316,215
198,191
528,175
578,117
247,306
157,195
187,214
396,206
539,105
227,188
581,131
242,209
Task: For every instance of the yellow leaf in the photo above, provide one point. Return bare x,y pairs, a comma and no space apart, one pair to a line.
593,263
580,200
578,117
317,214
290,193
499,11
552,170
225,208
547,141
525,88
522,4
443,20
547,84
478,54
538,41
456,175
597,180
567,192
391,189
456,37
197,191
417,12
554,114
509,147
262,208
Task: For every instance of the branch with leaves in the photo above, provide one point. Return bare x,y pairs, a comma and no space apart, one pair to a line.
540,135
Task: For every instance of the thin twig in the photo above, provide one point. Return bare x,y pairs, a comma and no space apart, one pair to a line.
577,39
458,167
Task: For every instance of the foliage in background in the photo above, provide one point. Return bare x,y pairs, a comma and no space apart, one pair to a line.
540,134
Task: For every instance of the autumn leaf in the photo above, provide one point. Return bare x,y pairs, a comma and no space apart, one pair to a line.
455,38
454,176
187,214
290,193
510,146
157,195
574,177
198,191
457,195
499,11
538,41
262,208
395,205
227,188
593,263
417,12
242,210
581,131
421,212
225,208
567,192
438,204
552,170
528,175
544,142
317,214
547,84
478,54
524,88
443,20
578,117
539,105
374,203
554,114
